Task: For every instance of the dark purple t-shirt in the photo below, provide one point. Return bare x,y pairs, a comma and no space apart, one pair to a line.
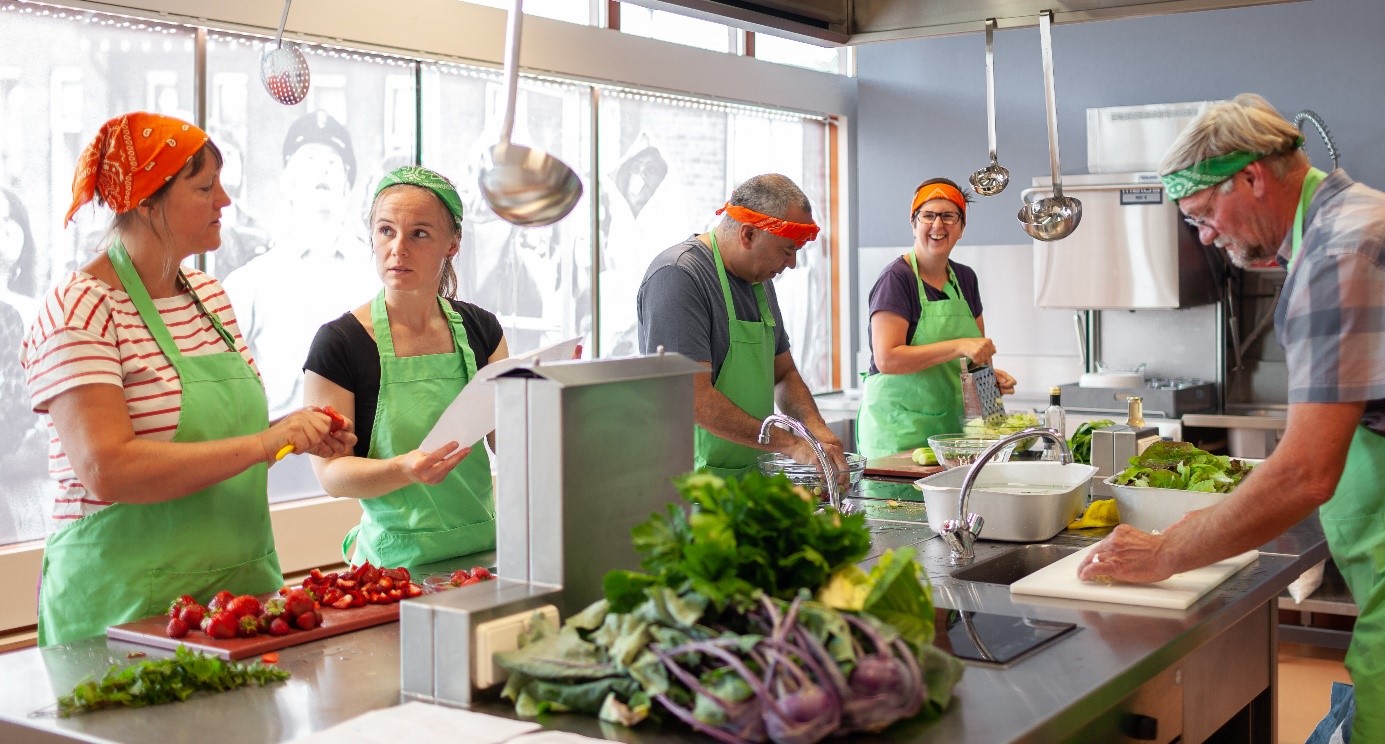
897,291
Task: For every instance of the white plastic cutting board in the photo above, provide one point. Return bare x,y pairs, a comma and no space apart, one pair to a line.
1177,592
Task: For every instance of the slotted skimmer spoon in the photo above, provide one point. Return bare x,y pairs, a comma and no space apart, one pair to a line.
284,69
992,179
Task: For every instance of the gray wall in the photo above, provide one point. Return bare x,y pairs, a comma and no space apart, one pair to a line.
922,102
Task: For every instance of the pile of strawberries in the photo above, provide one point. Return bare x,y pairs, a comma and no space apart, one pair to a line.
243,616
463,577
360,586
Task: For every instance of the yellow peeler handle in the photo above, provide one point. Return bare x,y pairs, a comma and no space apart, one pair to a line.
283,452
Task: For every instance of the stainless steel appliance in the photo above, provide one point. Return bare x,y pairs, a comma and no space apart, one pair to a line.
1163,397
1133,250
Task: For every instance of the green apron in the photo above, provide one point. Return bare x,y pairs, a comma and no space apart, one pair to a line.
746,378
900,412
129,561
1354,522
420,524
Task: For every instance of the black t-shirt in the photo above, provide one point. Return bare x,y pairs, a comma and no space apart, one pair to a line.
897,291
344,353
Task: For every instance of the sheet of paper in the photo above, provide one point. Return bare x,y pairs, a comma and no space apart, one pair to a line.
421,723
471,415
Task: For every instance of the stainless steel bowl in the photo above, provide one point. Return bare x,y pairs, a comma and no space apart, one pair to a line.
809,475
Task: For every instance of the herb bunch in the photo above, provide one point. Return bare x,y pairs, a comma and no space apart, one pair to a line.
159,681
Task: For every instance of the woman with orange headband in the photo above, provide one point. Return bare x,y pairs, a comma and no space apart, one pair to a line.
925,313
160,435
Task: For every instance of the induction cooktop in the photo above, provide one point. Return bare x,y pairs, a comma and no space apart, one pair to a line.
1000,639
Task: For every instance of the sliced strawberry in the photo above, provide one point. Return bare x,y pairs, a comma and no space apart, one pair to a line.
415,590
338,420
482,573
176,628
343,602
270,658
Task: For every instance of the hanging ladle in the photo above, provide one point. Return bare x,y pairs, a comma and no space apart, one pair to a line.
283,69
1053,217
524,186
992,179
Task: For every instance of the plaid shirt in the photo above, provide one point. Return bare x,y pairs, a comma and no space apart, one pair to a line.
1331,314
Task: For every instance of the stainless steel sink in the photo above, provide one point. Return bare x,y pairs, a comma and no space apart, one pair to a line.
1015,564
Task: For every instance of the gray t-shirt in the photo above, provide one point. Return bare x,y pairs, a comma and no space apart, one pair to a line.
681,308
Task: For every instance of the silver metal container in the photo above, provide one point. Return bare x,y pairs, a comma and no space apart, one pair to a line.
1019,501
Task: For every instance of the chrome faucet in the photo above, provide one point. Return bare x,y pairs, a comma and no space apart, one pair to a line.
961,533
829,473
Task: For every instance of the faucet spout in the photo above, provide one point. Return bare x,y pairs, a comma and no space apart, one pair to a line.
962,532
829,472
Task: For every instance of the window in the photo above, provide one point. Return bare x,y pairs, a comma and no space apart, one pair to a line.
537,280
50,107
667,165
679,29
800,54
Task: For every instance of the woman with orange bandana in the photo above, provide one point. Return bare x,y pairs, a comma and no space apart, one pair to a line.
160,439
925,313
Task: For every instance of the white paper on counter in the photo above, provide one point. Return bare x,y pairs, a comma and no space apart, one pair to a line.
421,723
471,415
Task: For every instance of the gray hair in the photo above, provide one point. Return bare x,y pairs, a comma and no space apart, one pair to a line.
770,194
1247,123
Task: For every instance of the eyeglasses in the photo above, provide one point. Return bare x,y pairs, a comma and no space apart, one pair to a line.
948,218
1198,223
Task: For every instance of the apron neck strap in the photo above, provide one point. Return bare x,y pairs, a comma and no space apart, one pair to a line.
1311,182
950,290
384,339
380,322
134,286
761,300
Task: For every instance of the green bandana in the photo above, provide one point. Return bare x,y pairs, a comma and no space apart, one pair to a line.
1210,172
417,175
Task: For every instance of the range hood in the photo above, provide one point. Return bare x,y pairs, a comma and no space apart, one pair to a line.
836,22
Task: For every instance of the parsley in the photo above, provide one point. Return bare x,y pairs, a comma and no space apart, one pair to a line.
159,681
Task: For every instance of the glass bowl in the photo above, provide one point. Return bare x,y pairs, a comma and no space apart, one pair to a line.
957,450
809,475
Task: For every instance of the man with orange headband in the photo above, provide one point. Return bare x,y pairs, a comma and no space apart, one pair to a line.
925,314
710,299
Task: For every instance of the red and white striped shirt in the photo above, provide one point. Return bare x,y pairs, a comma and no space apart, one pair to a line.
88,333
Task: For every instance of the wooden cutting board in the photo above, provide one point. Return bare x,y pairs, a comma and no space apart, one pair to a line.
150,632
1177,592
899,465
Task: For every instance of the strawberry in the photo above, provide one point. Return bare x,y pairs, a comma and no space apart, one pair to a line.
220,601
245,606
178,604
221,626
248,626
192,615
308,620
279,626
482,573
176,628
338,420
414,590
298,602
274,607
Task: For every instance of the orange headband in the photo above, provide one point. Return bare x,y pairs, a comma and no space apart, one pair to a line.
933,191
799,232
132,157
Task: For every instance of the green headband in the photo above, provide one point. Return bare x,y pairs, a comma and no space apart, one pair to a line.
1210,172
417,175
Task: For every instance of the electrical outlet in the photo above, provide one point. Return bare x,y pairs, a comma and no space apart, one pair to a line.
501,634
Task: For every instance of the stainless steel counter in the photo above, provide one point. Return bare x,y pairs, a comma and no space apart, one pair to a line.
1056,694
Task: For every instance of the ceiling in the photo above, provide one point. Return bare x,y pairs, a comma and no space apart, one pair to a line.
837,22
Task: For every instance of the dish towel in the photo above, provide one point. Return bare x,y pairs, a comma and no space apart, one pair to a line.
1102,513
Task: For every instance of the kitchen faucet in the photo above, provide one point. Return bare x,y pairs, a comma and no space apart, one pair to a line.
829,473
961,533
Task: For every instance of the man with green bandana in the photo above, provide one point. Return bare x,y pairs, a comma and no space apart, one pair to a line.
393,365
1240,177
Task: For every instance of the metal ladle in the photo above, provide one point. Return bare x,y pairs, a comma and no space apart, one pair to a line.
524,186
992,179
283,69
1053,217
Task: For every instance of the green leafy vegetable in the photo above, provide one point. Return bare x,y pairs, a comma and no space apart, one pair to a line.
1184,467
1081,440
159,681
740,536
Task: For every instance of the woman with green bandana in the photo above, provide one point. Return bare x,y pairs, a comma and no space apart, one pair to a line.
1240,177
394,365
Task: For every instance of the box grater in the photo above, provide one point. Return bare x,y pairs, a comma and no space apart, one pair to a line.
980,393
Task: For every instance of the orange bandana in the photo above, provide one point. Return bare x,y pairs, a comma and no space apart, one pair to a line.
799,232
933,191
132,157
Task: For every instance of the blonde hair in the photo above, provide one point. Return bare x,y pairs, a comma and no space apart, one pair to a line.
1247,123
